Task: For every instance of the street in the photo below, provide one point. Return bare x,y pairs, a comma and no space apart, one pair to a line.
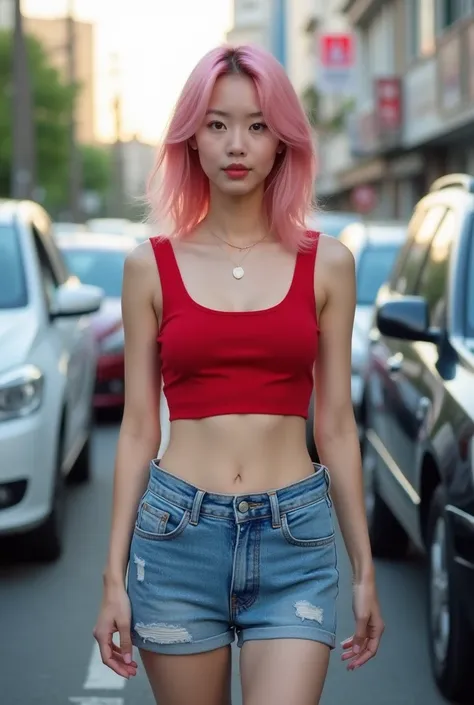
48,655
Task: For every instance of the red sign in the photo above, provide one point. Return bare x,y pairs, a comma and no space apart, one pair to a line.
337,50
363,199
388,104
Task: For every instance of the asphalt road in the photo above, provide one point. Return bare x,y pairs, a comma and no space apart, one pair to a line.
48,656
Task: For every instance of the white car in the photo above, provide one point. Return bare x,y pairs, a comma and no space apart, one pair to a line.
47,371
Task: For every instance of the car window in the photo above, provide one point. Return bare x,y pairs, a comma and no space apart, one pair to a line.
421,231
102,268
49,278
470,288
434,275
373,269
13,290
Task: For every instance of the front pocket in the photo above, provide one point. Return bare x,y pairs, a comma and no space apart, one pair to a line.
309,526
158,519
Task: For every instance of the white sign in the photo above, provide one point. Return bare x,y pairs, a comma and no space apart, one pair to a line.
336,54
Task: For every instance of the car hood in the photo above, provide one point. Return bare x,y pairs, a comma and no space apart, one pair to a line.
18,330
107,317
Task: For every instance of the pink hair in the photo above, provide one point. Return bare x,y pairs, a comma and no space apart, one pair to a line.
182,190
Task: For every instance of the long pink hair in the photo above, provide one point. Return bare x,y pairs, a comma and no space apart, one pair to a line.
178,187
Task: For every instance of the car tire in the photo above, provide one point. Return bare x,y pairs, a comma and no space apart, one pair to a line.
46,540
388,539
81,470
450,635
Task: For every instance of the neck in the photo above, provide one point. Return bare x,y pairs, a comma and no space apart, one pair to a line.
239,220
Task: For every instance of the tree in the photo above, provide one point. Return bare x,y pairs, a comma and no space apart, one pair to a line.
52,99
96,168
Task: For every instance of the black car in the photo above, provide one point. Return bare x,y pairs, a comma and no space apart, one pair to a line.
418,449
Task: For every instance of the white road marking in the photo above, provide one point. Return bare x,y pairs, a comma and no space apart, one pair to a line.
84,700
100,676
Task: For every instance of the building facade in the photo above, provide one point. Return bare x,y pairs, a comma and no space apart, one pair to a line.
52,33
413,115
251,23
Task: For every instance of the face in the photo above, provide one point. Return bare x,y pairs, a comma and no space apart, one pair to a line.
236,149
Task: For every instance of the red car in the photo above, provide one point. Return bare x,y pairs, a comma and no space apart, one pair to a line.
99,260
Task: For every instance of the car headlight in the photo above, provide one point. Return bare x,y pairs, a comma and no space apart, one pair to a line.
21,392
113,343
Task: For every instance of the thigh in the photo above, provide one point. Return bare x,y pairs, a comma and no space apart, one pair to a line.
282,671
200,679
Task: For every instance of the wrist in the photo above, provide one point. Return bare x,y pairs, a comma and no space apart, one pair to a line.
363,573
113,578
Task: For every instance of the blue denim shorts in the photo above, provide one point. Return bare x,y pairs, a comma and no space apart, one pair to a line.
207,567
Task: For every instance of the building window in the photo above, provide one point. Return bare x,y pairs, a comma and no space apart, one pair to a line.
450,11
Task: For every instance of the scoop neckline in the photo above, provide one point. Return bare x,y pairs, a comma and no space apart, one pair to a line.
216,311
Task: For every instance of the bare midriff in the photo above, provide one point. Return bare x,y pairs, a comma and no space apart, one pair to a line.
238,453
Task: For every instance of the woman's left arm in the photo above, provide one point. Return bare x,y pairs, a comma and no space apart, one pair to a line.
336,438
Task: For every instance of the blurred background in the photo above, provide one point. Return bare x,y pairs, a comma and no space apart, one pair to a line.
87,87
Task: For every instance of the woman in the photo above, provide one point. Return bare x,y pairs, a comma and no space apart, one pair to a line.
231,532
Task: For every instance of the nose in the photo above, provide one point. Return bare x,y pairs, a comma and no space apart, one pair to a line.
236,144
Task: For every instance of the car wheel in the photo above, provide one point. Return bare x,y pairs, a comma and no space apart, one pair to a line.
47,539
450,637
81,470
388,539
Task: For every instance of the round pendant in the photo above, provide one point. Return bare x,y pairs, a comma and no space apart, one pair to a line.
238,272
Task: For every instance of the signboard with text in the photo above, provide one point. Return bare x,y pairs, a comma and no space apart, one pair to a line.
336,53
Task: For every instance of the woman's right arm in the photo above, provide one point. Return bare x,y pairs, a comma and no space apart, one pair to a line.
138,443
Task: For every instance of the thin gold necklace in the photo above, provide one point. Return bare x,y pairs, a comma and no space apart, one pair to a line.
238,271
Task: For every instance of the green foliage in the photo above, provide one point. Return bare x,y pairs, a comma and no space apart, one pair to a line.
96,168
53,100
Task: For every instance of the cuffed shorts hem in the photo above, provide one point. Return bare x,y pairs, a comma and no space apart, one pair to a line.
319,635
185,647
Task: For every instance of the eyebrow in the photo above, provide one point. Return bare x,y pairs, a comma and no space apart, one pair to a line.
222,113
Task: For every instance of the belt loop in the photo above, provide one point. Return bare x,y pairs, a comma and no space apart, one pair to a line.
275,507
197,501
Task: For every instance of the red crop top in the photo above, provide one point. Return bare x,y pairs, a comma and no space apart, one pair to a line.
246,362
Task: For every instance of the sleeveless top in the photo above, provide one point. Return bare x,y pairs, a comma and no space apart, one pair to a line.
246,362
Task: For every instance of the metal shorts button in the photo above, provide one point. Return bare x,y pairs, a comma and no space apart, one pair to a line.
243,507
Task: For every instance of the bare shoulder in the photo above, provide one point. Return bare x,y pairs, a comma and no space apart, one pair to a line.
334,276
140,266
334,257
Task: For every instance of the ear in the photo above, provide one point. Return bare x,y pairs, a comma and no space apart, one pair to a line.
192,142
281,148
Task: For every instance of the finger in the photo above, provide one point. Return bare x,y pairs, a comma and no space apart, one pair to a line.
126,648
117,650
368,653
107,655
360,635
347,643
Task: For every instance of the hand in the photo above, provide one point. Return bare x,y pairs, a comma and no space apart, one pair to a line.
115,616
363,645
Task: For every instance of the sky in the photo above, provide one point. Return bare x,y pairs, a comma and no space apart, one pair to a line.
157,43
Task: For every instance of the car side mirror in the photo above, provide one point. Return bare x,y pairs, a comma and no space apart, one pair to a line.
406,318
76,300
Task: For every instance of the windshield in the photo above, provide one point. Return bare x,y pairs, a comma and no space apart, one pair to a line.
13,293
470,290
102,268
375,265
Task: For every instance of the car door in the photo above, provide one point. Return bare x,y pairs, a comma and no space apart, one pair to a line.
396,369
432,360
72,342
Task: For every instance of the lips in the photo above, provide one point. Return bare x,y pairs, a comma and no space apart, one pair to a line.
236,171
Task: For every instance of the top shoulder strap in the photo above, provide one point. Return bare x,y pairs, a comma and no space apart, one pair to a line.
172,285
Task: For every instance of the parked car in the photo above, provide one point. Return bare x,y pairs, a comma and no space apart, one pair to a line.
99,261
109,226
375,247
332,222
419,407
47,371
65,228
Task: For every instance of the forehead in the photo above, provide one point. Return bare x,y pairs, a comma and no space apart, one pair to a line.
235,94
